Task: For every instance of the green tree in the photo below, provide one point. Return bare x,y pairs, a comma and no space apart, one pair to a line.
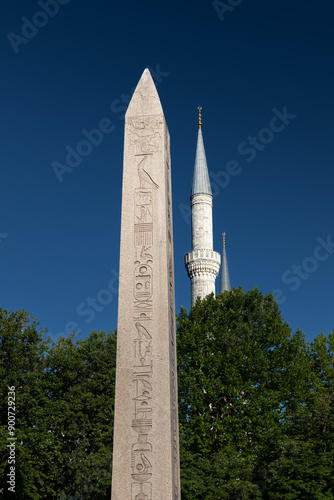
304,463
64,411
81,378
256,406
23,351
246,387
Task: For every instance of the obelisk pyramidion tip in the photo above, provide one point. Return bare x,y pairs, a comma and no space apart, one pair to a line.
145,99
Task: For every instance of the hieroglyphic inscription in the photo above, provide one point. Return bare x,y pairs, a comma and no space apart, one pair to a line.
145,178
145,139
143,241
145,134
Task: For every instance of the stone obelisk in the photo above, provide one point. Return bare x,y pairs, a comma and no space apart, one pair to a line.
146,446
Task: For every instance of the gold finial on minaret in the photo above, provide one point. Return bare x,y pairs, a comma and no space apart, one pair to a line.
199,116
224,234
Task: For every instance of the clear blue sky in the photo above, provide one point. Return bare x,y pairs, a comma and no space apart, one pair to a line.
246,63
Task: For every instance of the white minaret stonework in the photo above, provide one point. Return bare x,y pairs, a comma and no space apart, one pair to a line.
146,440
202,263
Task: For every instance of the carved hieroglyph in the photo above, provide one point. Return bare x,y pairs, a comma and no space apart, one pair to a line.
146,443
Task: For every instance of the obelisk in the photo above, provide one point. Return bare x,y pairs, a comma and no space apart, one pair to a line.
146,443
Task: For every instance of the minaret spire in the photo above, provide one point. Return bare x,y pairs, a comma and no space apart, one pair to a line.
202,262
224,274
201,181
199,116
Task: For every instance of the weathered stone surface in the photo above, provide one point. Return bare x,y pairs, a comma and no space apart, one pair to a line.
146,447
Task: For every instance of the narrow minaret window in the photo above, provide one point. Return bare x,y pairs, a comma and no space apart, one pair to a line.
202,262
224,274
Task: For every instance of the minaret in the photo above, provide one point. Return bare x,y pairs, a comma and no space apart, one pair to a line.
224,274
202,262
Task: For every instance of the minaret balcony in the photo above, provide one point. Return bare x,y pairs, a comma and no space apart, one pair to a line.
203,261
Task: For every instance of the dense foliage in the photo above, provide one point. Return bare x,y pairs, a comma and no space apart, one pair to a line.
256,406
64,411
256,403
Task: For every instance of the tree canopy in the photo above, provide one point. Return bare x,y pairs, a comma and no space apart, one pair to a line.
64,410
256,402
256,406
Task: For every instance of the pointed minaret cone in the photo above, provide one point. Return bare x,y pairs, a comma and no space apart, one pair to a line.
224,274
201,181
202,262
146,440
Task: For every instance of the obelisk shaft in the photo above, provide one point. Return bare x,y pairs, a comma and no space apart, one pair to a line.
146,447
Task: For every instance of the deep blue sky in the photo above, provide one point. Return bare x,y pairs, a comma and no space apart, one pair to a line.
59,241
